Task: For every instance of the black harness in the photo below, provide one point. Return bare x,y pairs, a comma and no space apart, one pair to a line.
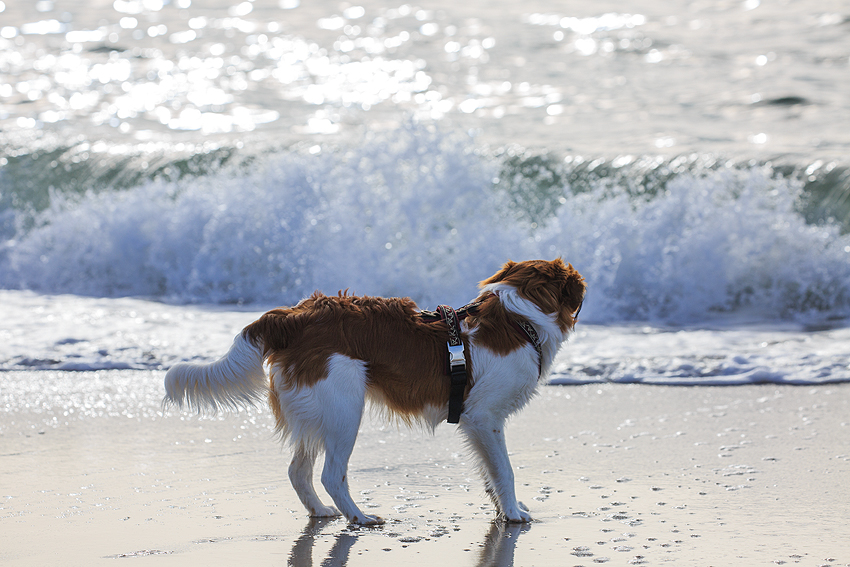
456,367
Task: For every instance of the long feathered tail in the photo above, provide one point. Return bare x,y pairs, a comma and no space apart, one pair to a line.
235,381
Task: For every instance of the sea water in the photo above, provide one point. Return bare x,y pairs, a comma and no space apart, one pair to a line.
168,170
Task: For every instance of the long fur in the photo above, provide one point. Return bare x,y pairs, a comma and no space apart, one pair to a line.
235,381
328,355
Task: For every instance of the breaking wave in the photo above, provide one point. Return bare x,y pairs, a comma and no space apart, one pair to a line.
426,214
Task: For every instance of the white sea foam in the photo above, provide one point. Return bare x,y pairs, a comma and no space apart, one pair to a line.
415,213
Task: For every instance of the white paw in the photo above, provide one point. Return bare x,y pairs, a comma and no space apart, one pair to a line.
523,507
519,515
325,512
364,520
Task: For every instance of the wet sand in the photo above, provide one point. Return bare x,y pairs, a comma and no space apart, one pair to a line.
612,474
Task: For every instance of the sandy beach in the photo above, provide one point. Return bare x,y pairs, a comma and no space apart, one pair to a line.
613,474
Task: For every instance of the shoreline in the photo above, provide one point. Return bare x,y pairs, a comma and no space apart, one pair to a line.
613,474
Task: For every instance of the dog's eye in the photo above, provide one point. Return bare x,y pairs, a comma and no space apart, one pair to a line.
575,315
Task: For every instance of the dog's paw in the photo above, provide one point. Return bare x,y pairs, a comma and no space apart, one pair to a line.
522,507
519,515
325,512
522,518
365,520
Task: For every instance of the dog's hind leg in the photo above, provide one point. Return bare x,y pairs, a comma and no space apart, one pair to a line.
343,395
301,477
487,440
335,480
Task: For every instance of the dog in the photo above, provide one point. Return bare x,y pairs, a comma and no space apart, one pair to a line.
328,355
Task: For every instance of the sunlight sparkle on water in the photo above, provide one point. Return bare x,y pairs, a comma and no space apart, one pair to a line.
164,70
199,73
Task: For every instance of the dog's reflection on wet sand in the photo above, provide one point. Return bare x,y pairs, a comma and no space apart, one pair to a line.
497,549
500,543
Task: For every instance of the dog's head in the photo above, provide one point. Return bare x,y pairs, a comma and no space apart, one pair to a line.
556,288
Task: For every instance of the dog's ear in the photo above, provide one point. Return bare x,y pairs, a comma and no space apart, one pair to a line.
573,288
500,275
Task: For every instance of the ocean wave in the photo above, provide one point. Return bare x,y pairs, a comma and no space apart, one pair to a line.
427,214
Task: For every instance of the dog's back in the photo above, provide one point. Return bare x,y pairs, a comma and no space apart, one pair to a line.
404,354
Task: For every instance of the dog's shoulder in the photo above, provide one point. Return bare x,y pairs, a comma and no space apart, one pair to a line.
494,327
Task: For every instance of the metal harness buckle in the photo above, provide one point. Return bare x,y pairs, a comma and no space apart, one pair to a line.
457,359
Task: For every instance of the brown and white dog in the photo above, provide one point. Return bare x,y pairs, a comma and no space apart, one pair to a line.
328,355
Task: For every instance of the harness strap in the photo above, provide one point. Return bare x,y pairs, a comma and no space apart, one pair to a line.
457,362
460,312
457,355
530,333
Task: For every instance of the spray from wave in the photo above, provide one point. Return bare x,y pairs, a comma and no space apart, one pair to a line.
427,214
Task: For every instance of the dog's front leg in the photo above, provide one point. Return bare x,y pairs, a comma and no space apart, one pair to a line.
488,442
